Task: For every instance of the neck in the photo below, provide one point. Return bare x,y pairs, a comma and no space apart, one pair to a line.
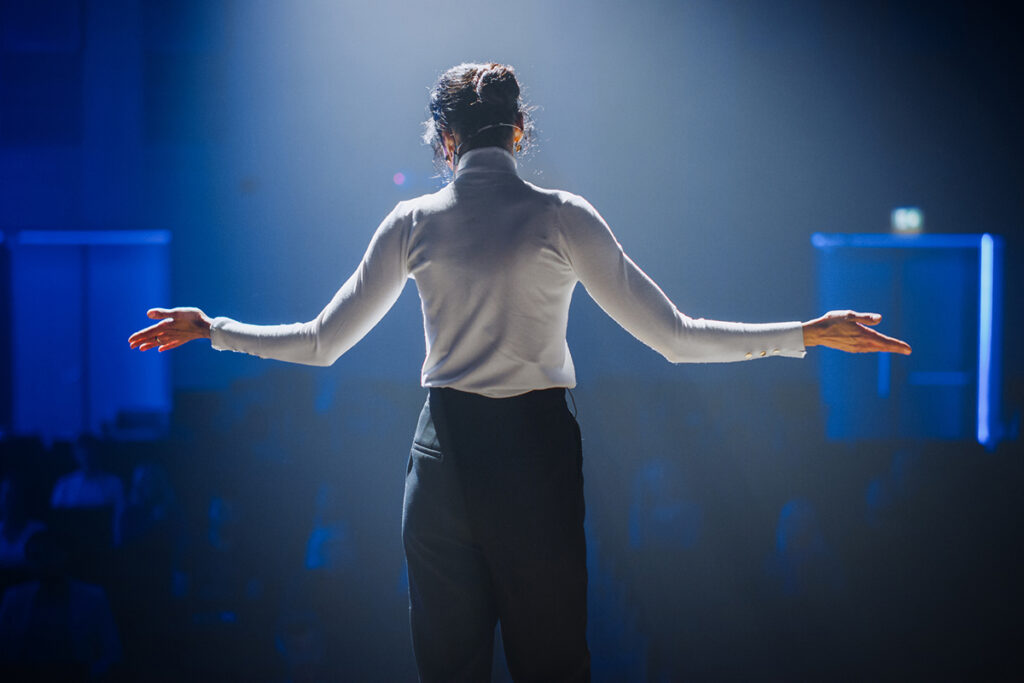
463,146
469,146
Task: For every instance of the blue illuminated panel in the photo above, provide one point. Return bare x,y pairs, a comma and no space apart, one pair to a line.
985,325
92,238
942,294
76,297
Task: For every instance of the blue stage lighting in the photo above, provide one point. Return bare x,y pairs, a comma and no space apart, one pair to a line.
985,320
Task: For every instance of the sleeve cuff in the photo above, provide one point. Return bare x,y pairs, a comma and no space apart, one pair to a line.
220,339
787,339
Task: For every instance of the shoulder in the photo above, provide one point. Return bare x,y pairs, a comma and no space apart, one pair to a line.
572,212
397,224
19,596
567,204
434,202
556,197
68,480
110,482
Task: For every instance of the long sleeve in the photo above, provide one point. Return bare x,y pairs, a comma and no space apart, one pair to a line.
354,310
633,300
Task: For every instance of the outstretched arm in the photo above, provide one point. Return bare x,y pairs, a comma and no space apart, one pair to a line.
357,306
633,300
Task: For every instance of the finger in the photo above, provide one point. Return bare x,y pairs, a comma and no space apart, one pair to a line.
864,318
138,343
885,342
159,313
155,339
172,345
149,331
899,346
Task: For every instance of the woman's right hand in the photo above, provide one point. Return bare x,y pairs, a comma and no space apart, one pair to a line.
176,327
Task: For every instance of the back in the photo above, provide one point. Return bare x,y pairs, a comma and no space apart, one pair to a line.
494,278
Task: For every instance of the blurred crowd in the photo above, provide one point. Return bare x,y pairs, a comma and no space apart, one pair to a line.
260,541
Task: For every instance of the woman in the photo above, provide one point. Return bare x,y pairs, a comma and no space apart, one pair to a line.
493,519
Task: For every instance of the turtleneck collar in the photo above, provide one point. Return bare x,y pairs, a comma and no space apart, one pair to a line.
486,159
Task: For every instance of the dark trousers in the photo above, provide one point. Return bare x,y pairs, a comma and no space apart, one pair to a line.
493,532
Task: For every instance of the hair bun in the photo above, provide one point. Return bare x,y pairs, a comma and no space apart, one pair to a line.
497,86
480,104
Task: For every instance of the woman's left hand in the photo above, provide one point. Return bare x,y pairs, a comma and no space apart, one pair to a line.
849,331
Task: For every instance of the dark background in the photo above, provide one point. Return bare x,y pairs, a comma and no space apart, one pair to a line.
729,539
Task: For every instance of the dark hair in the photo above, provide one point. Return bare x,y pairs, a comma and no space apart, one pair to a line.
470,96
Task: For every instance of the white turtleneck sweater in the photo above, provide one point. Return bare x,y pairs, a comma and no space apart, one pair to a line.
495,260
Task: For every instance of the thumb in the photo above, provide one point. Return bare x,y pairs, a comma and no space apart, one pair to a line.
156,313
